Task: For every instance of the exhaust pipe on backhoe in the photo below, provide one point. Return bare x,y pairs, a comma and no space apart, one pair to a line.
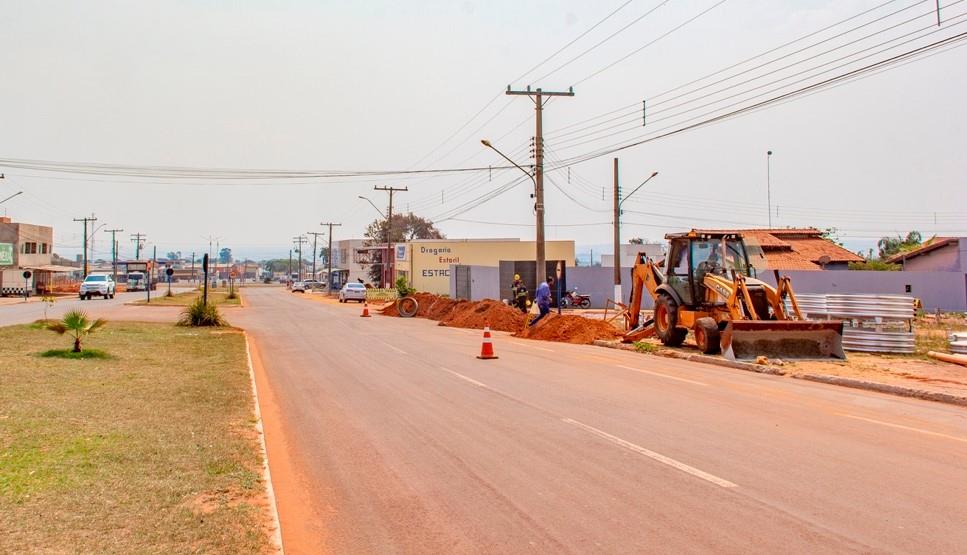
784,339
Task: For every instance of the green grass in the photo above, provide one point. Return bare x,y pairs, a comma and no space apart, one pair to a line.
215,296
152,450
69,354
645,347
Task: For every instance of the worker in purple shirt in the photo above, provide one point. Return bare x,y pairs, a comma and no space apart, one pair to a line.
543,299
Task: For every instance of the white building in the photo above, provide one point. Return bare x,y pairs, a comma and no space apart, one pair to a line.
630,252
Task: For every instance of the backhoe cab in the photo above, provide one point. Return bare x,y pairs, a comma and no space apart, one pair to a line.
709,286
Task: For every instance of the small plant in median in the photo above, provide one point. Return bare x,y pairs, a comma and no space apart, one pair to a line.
645,347
78,325
403,288
200,314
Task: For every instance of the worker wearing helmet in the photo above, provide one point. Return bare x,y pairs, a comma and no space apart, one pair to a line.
518,293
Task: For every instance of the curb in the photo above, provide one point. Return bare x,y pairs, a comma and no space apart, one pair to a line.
885,388
897,390
275,537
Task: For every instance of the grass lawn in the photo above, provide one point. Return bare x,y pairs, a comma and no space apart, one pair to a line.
151,450
217,296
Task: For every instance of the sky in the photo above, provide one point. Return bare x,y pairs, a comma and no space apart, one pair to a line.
380,85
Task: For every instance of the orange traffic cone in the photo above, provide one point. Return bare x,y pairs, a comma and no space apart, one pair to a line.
487,348
365,313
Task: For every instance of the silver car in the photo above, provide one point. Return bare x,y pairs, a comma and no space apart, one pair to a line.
301,287
352,292
97,284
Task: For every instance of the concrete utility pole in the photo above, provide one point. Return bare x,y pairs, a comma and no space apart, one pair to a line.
617,235
300,239
288,275
315,251
329,257
92,219
114,251
389,268
618,201
769,185
138,239
539,101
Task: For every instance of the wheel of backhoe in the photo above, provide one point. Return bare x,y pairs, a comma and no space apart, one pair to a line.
666,322
707,336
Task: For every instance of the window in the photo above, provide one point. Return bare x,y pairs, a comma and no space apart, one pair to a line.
30,248
679,260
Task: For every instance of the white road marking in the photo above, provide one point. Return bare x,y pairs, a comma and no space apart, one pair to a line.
653,455
902,427
528,345
471,380
397,349
659,374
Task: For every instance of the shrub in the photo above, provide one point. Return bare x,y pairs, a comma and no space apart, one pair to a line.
645,347
77,325
200,314
403,289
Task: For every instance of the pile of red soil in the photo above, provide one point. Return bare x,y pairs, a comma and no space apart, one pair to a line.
570,329
464,314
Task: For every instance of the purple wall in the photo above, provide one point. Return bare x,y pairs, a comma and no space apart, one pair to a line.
943,290
945,259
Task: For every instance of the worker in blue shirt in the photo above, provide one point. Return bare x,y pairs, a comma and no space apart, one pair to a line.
543,299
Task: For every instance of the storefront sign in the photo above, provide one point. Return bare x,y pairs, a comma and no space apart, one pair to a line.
6,254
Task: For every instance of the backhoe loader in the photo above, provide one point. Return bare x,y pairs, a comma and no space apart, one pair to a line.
709,286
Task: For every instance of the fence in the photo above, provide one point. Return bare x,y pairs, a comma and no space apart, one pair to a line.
871,323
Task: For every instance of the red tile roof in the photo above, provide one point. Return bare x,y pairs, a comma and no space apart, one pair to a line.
927,246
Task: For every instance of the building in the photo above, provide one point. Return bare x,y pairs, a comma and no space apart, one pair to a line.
26,247
347,263
629,254
794,249
940,254
426,262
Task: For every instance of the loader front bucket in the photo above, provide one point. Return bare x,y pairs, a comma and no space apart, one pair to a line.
783,339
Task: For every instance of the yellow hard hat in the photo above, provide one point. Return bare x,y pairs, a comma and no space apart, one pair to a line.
516,276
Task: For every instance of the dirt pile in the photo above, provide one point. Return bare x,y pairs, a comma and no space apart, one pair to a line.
464,314
570,329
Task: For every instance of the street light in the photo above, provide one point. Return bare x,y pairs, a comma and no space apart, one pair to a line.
769,185
541,265
373,205
385,264
617,231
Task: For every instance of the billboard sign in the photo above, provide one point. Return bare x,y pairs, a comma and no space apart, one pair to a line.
6,254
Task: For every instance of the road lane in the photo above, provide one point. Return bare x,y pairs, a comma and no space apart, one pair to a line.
406,442
24,313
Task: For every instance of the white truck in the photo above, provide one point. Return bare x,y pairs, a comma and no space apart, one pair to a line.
136,281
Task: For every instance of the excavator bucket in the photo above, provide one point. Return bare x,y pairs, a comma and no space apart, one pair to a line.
783,339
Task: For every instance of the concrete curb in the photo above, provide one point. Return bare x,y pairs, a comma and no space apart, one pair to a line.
275,536
897,390
885,388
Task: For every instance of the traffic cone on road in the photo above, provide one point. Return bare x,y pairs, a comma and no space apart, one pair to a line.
365,313
487,348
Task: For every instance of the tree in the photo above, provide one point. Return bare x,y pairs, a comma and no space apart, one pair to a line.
892,245
636,241
831,234
406,227
324,256
225,255
276,265
174,255
77,325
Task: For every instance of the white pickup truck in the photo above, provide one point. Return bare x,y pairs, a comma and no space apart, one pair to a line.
101,285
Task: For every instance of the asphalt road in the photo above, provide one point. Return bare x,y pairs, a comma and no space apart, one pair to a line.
13,311
389,436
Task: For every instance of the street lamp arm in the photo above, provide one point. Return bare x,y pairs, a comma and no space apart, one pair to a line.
373,205
487,144
622,201
11,196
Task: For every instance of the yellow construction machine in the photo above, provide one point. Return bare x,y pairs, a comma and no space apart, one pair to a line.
709,286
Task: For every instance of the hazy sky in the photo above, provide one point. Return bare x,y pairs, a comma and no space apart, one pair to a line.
317,85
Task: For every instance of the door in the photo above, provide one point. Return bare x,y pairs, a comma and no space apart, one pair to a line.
462,277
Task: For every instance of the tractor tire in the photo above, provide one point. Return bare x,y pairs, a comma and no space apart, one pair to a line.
707,336
666,322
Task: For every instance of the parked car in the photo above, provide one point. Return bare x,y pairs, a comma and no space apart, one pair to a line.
312,283
352,292
300,287
97,284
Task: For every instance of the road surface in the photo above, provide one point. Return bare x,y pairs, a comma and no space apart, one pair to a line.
13,311
387,435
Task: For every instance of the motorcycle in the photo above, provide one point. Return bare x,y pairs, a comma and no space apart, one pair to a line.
572,298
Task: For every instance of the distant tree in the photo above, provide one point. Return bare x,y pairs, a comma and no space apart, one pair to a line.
324,256
636,241
831,234
406,227
173,255
225,255
276,264
889,246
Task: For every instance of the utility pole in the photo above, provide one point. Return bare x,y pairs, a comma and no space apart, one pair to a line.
300,240
138,239
389,269
329,256
114,251
315,252
769,185
288,274
193,266
537,96
617,235
92,219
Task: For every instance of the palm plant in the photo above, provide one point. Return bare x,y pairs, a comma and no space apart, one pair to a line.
78,325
